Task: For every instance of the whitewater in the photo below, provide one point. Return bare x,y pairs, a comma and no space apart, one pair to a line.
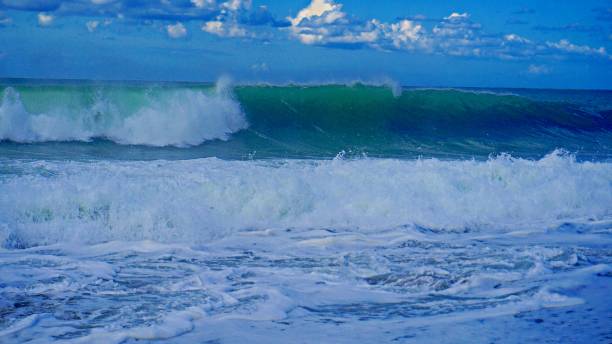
182,213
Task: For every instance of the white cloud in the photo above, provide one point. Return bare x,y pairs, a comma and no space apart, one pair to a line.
458,35
318,23
236,5
457,16
214,27
567,46
538,69
92,25
323,22
204,3
45,19
403,33
457,26
234,17
516,38
326,11
224,29
177,30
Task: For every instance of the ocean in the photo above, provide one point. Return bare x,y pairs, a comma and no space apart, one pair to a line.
341,213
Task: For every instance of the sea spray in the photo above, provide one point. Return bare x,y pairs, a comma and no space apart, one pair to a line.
153,117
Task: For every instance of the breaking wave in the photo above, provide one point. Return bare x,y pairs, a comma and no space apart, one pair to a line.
305,121
197,200
179,117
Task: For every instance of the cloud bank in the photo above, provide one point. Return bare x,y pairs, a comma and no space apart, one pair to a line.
323,23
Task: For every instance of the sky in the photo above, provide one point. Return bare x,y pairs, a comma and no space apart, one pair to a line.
474,43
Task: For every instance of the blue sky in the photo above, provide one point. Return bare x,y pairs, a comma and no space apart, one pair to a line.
558,44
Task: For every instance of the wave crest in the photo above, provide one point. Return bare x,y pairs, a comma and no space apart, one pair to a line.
182,117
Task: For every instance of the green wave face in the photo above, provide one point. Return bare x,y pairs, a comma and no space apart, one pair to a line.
185,121
327,119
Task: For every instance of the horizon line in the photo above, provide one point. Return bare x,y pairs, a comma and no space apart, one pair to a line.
374,82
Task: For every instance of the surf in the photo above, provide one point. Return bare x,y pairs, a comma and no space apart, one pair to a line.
125,115
191,201
298,121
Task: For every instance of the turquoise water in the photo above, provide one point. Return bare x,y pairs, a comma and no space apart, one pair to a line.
148,121
138,212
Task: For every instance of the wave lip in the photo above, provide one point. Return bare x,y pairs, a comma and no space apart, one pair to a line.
182,117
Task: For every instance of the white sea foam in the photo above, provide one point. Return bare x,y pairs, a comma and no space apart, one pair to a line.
194,201
181,117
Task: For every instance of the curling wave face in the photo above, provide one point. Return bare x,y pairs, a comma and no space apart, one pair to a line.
303,121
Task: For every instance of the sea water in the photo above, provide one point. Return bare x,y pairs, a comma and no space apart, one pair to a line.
134,212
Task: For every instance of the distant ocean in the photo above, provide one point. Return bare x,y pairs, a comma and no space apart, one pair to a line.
228,213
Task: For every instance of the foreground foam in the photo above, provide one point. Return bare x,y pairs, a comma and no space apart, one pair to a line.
47,202
271,287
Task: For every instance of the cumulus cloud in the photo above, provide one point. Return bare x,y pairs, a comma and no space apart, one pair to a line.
237,18
242,11
458,35
323,22
45,19
457,26
405,33
92,25
224,28
566,46
203,3
321,11
227,18
516,38
177,30
236,5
